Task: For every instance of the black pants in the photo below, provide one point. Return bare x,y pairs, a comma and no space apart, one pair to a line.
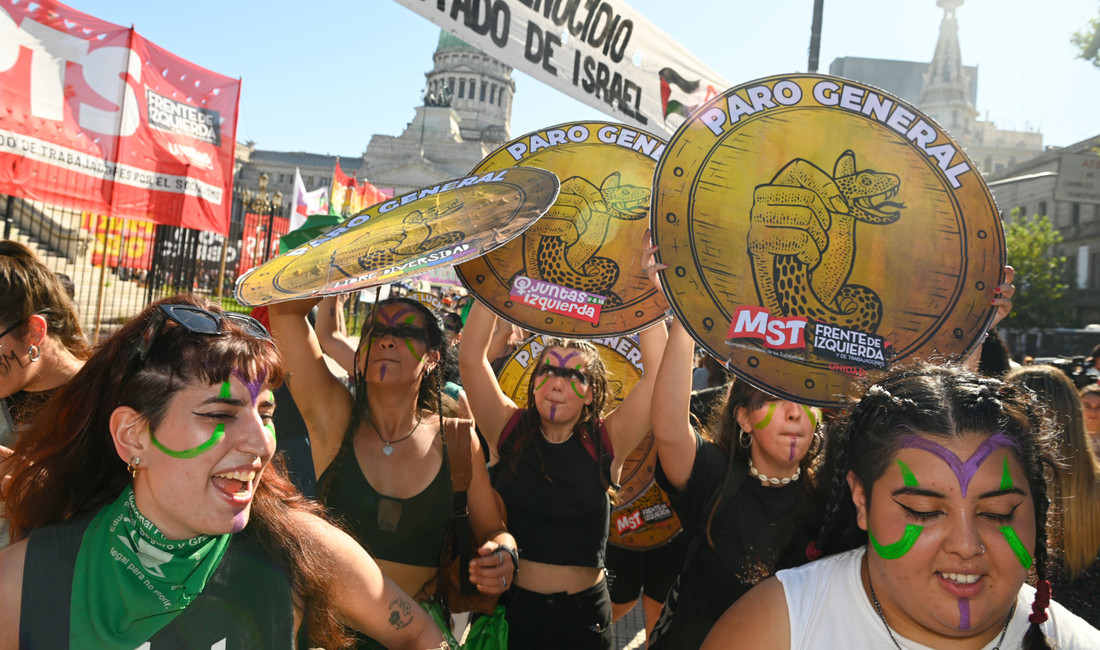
560,621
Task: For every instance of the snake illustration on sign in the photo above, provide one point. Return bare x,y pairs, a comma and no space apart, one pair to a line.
440,225
644,518
575,273
818,229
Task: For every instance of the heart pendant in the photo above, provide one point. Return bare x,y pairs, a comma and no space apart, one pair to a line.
387,449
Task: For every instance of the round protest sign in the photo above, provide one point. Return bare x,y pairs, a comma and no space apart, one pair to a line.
644,518
576,272
429,300
434,226
817,229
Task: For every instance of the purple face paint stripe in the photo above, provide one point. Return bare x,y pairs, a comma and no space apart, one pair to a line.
964,614
392,320
562,361
553,410
963,471
253,387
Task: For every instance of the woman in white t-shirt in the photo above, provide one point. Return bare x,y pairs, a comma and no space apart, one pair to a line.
936,514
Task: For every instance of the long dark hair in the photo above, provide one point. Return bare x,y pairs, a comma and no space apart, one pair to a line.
724,431
942,401
28,286
429,395
590,421
65,463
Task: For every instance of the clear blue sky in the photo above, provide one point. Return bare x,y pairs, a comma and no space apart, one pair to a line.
324,76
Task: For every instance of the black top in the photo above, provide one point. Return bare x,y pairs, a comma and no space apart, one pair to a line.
408,531
563,520
246,602
746,531
1080,595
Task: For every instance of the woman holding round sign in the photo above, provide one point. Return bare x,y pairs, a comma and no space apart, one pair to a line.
558,458
936,514
380,453
151,510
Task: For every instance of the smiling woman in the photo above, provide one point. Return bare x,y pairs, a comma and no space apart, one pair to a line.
936,513
154,480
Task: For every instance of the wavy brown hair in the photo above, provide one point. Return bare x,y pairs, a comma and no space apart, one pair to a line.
66,464
28,286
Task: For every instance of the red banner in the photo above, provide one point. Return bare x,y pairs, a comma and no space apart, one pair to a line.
99,119
254,239
126,243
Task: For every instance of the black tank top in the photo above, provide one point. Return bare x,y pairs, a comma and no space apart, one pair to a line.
563,520
246,602
408,531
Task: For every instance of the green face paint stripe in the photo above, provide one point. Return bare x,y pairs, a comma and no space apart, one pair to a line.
542,383
574,385
810,414
219,433
907,475
1017,546
270,429
408,342
767,418
1006,477
900,547
215,438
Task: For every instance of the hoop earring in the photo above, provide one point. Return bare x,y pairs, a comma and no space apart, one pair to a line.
34,353
744,438
132,466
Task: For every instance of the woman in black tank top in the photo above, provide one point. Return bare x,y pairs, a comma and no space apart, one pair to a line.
557,459
150,510
378,454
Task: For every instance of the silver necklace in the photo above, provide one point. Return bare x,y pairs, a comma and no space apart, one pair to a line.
773,481
878,608
387,445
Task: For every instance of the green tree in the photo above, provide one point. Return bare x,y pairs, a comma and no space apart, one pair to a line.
1042,299
1087,42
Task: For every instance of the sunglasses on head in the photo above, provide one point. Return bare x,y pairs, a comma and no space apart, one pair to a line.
195,320
401,331
563,372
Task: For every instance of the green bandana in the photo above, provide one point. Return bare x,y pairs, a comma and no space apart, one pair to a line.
130,581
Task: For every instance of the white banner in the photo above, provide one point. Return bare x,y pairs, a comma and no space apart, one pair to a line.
600,52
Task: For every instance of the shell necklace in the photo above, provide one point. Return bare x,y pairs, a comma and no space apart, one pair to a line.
774,481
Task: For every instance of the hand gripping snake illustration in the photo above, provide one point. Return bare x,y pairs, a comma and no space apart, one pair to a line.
561,247
802,240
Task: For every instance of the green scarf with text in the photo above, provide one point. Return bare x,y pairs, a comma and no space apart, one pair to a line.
131,581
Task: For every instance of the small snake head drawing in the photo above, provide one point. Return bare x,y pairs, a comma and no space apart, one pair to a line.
628,202
868,192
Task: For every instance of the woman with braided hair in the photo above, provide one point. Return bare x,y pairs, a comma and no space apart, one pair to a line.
381,455
936,513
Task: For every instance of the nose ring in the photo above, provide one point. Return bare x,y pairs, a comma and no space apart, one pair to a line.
982,551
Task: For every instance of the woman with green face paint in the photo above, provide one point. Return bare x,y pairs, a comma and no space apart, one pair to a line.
149,509
935,517
380,451
733,484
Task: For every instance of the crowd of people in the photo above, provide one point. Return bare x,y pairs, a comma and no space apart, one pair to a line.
148,498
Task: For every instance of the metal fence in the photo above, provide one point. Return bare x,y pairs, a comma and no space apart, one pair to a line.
117,266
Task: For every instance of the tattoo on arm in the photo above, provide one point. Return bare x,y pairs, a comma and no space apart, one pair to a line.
400,613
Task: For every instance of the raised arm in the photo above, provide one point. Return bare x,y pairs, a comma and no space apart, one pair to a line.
367,600
332,334
323,401
671,408
1002,299
492,571
629,423
491,407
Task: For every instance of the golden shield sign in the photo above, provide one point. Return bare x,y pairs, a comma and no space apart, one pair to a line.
434,226
644,518
576,272
818,229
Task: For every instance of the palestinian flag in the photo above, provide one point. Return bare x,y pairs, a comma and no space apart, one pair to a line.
680,96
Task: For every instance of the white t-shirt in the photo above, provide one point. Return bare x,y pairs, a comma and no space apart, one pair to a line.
829,610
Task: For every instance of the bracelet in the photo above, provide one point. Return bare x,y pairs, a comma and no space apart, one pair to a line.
515,558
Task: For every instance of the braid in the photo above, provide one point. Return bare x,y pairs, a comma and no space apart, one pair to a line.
837,520
1034,639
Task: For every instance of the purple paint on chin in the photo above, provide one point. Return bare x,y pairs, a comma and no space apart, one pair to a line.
240,520
553,411
964,614
963,471
254,387
382,373
793,442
